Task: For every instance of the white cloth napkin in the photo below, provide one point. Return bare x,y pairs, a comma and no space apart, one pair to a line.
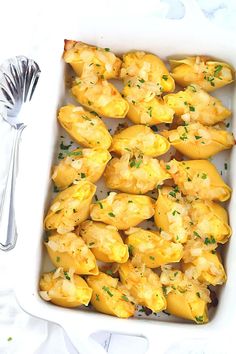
20,332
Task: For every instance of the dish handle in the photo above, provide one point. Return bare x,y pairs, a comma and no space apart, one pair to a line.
81,339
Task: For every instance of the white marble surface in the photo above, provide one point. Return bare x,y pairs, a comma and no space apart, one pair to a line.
20,333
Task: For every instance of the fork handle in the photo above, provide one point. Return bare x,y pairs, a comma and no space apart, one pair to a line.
8,232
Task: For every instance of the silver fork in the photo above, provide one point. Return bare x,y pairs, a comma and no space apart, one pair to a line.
18,80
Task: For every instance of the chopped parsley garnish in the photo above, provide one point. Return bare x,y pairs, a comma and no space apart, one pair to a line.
9,339
198,294
210,79
209,240
107,49
128,149
149,111
100,204
89,103
204,176
133,101
109,272
192,109
111,215
168,167
165,77
226,166
199,318
86,118
152,258
83,175
105,288
130,201
91,243
183,136
141,80
97,297
172,194
74,153
124,297
64,147
55,189
175,212
193,88
197,137
58,259
134,163
164,290
130,249
218,69
196,234
67,276
175,274
94,113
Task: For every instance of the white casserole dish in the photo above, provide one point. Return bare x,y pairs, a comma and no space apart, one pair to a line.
189,36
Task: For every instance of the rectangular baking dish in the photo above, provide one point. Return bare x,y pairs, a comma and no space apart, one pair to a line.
189,36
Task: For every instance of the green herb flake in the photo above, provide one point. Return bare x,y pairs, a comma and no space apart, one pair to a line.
197,137
193,88
152,258
67,276
97,297
124,297
196,234
164,289
74,153
107,49
168,167
198,294
111,215
90,103
218,69
172,194
199,318
130,249
209,240
58,259
109,272
204,176
175,274
91,243
128,149
130,201
100,204
64,147
149,111
226,166
175,212
9,339
141,80
105,288
165,77
192,109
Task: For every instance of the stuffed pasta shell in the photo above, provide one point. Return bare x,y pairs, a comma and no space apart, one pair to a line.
104,241
100,96
210,221
185,297
70,251
144,286
122,210
80,164
196,105
151,249
138,174
199,142
145,107
172,215
203,264
64,288
88,60
147,68
139,139
84,127
108,298
199,178
70,207
201,70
